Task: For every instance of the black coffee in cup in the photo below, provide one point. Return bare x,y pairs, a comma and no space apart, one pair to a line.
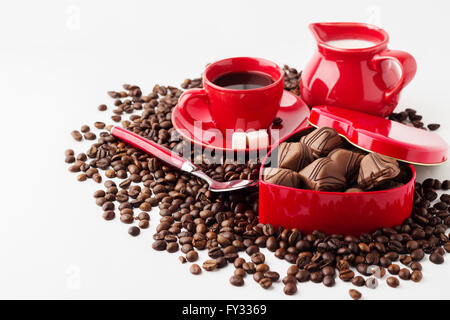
243,80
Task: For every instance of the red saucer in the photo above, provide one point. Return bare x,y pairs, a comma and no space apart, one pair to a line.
293,111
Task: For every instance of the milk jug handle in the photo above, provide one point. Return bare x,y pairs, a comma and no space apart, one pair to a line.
407,65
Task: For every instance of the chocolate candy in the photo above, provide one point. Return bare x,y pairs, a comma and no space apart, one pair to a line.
375,169
294,156
283,177
354,190
349,161
324,174
322,141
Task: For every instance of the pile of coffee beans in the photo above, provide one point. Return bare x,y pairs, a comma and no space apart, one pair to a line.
411,117
192,218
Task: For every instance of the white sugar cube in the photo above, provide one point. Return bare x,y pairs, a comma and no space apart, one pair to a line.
257,139
263,139
239,140
252,139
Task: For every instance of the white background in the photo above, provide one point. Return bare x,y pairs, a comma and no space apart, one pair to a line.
58,59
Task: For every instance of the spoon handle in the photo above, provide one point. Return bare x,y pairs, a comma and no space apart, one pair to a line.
154,149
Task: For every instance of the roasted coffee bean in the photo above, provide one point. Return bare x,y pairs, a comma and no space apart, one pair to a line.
329,281
134,231
303,276
249,267
192,256
102,107
393,282
358,281
77,135
354,294
210,265
172,247
289,278
257,276
290,289
262,267
346,275
415,266
195,269
416,276
109,215
257,258
316,277
436,258
394,269
240,272
272,275
265,283
433,126
143,224
404,274
159,245
236,280
292,270
417,255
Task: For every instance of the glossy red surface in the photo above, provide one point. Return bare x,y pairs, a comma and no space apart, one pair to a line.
192,119
381,135
243,109
334,212
148,146
355,78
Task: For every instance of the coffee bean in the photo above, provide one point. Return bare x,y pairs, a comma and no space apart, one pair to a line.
159,245
290,289
235,280
358,281
102,107
436,258
416,276
172,247
90,136
143,224
394,269
272,275
257,258
372,283
415,266
192,256
289,278
134,231
346,275
303,276
265,283
77,135
433,126
195,269
329,281
292,270
210,265
316,277
445,185
249,267
109,215
354,294
393,282
99,125
126,218
404,274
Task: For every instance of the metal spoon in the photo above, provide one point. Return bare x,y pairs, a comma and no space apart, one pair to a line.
178,162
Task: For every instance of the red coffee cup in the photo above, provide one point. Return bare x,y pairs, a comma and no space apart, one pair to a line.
241,109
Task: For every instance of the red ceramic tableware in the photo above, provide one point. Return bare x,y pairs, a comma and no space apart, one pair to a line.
232,109
192,120
363,79
333,212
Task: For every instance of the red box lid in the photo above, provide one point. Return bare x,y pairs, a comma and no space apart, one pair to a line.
376,134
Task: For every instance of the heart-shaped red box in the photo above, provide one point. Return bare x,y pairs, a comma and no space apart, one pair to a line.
352,213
